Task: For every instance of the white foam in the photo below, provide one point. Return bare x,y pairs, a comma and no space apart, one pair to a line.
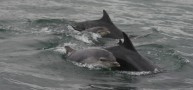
46,29
78,35
71,29
86,65
95,36
87,37
61,48
136,73
83,38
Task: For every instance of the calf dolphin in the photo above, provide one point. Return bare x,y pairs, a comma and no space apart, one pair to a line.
128,57
104,24
96,57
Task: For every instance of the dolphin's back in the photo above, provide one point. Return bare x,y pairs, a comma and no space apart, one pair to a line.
105,21
115,32
130,60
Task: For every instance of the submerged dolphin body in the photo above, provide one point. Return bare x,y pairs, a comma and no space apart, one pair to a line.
104,26
96,57
128,57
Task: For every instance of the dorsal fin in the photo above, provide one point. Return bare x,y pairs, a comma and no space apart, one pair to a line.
127,42
106,17
69,50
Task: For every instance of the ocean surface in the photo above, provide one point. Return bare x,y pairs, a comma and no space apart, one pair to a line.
33,34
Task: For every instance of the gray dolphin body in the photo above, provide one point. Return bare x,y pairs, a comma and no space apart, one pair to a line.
103,25
128,57
99,58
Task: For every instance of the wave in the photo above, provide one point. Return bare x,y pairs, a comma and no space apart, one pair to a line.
34,86
165,56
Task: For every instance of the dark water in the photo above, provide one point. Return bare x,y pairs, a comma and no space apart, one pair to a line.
33,33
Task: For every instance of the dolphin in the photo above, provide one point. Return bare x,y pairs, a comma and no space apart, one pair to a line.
103,25
97,57
128,57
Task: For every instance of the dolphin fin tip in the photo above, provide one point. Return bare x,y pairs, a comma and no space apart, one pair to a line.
106,17
104,11
127,42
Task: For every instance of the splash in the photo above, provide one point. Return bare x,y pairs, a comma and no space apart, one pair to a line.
46,30
140,73
89,66
61,49
86,37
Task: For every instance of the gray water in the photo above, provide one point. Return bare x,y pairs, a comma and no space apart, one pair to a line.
33,33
